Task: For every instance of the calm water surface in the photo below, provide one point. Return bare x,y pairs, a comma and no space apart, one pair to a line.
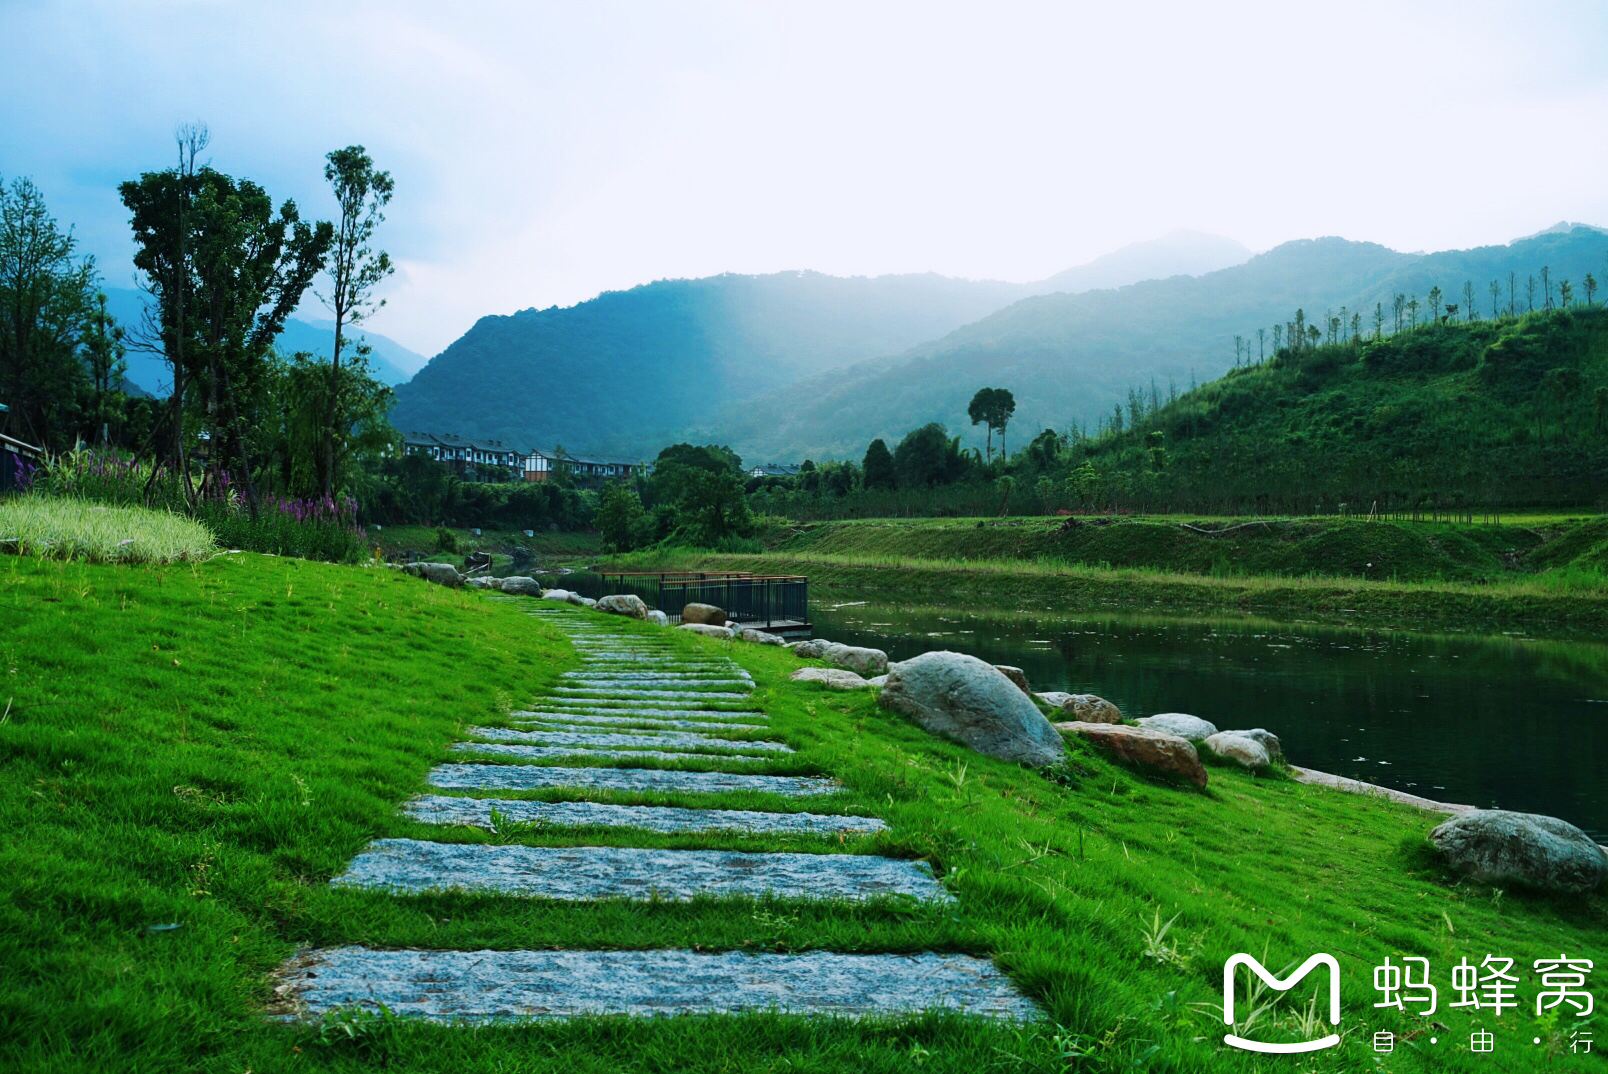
1498,721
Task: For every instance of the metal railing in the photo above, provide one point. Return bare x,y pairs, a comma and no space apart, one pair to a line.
754,599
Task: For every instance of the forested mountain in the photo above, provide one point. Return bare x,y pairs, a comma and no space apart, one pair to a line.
391,362
1071,358
1484,414
629,371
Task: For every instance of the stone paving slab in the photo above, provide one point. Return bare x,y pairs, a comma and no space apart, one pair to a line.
627,694
568,709
677,677
440,809
645,723
408,866
523,777
496,986
610,738
616,704
583,753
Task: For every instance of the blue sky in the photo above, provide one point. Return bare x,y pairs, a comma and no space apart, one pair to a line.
545,152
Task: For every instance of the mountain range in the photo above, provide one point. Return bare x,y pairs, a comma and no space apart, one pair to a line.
630,371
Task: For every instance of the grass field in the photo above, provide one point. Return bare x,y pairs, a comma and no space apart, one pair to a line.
190,753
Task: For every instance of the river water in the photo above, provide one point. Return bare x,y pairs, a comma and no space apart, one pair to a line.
1497,721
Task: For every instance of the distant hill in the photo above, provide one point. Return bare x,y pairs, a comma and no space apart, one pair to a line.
1182,253
1510,413
1070,358
392,362
630,371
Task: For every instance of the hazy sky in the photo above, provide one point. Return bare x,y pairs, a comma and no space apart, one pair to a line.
546,151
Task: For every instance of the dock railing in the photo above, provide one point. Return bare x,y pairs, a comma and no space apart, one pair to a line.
758,600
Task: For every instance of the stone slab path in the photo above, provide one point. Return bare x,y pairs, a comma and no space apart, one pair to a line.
474,986
440,809
571,873
635,696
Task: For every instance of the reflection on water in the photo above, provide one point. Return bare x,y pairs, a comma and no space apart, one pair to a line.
1495,721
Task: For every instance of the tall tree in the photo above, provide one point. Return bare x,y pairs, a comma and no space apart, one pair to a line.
1379,319
1435,303
209,243
46,300
354,269
993,407
1565,293
1468,300
1591,289
103,357
1546,284
1496,299
878,466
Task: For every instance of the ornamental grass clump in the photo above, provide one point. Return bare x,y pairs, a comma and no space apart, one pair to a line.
70,528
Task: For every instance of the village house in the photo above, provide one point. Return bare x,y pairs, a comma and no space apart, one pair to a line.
460,453
771,469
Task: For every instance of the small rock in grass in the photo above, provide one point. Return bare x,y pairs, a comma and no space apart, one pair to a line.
1241,749
481,583
707,614
855,658
706,630
758,637
879,682
810,648
658,618
522,586
561,595
963,698
1181,724
1016,675
627,604
1085,708
832,678
1168,754
1495,846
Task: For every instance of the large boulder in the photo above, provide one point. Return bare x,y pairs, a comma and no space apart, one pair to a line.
758,637
810,648
1170,755
658,618
1498,847
521,585
439,573
1240,748
627,604
965,699
707,614
831,678
1016,675
562,595
706,630
1181,724
859,660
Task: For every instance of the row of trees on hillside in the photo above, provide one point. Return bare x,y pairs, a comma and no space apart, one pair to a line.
1405,313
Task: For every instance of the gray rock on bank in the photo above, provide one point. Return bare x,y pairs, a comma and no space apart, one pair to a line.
658,618
627,604
1240,748
1181,724
521,585
855,658
756,637
1495,846
1170,755
966,699
560,595
832,678
439,573
706,630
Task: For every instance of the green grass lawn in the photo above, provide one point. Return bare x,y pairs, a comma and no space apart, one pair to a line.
204,746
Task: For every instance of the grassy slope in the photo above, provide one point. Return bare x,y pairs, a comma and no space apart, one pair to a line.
1543,574
207,745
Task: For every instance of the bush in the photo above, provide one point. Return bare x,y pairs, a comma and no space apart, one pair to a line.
446,540
72,528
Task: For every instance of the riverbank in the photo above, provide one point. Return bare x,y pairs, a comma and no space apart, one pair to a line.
1542,577
192,753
